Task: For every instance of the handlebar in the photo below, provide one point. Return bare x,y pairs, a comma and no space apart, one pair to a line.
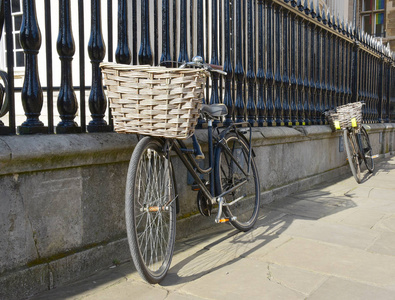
197,62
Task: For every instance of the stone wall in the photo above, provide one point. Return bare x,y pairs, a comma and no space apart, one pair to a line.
62,196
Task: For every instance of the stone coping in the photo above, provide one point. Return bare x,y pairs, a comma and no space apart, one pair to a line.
46,152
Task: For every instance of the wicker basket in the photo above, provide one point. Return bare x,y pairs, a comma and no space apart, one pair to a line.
345,116
154,101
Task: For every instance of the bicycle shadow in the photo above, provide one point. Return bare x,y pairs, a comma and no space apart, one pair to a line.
381,166
273,229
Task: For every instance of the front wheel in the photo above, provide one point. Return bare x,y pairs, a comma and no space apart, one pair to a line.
367,150
150,210
351,145
231,170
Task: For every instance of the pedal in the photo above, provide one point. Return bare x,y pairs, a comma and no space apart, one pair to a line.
195,187
226,220
223,220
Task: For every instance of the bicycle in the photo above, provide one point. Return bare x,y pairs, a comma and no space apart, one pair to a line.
229,184
356,139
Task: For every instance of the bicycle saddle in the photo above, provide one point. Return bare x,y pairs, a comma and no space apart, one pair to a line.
214,111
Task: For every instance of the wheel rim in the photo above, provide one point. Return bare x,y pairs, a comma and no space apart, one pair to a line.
153,211
356,160
367,150
231,175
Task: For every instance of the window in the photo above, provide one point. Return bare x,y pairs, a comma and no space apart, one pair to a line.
372,17
16,11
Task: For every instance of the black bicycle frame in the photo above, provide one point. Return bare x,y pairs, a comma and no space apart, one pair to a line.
186,157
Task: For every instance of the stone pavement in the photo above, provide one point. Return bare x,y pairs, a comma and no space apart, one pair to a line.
335,241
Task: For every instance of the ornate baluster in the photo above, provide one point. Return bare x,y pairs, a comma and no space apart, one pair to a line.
319,98
300,73
334,64
67,101
214,52
32,94
313,99
261,73
341,72
183,55
269,72
96,50
250,68
388,91
306,104
145,54
325,65
294,83
122,54
239,71
286,107
355,74
200,44
277,76
381,96
165,57
228,67
329,74
346,72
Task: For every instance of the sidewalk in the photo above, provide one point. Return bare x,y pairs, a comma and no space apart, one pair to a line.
331,242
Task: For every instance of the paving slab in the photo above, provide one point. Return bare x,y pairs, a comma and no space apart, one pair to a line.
385,244
334,241
340,289
247,279
345,262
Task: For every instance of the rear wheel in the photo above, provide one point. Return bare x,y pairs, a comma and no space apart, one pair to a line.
230,172
150,210
351,145
367,150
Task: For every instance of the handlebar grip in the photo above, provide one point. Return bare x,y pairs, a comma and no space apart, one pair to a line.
215,67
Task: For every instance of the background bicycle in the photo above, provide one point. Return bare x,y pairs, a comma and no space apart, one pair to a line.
356,139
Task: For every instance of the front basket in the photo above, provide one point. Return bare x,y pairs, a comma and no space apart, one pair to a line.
154,101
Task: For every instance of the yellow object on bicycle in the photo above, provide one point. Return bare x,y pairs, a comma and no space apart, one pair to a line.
337,125
354,122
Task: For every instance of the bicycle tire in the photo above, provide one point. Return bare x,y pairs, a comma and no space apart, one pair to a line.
351,145
151,230
4,104
367,150
228,174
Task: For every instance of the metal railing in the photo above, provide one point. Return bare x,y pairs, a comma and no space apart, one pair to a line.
286,61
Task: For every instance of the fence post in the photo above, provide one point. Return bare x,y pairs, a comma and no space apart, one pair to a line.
32,94
261,72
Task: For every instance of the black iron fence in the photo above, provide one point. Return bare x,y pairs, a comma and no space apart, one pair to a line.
286,61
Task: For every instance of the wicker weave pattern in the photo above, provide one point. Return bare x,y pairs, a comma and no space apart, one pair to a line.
344,114
154,101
